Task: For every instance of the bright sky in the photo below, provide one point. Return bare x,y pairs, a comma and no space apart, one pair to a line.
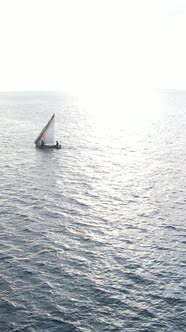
102,46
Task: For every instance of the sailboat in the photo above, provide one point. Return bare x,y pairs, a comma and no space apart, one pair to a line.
46,136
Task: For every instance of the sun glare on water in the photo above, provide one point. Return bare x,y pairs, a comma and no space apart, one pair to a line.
131,109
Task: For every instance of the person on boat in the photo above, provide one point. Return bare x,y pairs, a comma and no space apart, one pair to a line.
57,143
42,142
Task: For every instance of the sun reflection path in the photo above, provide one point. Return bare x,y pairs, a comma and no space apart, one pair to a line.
132,109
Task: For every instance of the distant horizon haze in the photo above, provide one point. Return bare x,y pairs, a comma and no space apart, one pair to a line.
91,48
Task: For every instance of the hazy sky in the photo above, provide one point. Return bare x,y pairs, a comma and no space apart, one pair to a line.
92,45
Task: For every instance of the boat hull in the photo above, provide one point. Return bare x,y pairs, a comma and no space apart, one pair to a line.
49,146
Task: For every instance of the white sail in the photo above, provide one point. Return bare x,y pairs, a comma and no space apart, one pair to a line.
47,134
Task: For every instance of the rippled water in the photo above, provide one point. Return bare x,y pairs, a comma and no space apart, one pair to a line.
92,236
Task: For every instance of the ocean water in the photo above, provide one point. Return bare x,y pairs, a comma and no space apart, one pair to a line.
92,236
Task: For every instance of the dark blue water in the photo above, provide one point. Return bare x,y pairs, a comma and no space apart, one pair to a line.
92,236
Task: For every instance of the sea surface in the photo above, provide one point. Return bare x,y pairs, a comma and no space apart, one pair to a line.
92,236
